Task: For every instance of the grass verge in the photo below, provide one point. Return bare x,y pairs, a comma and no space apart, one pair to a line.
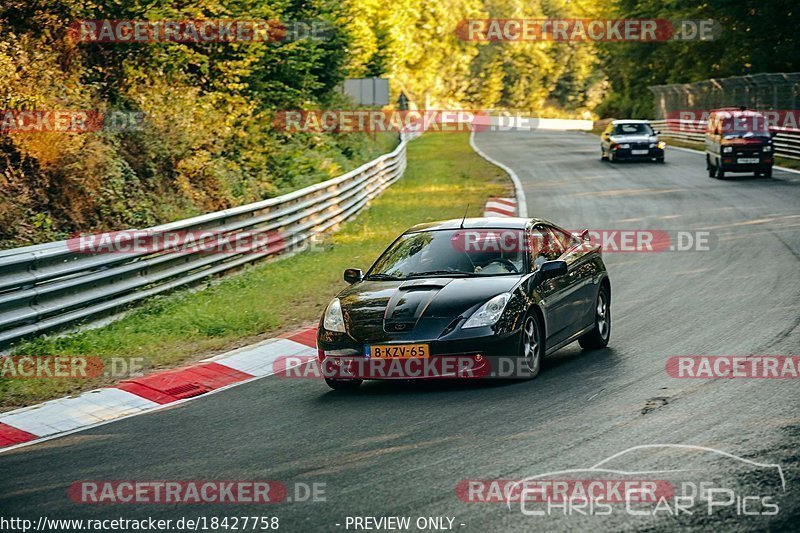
443,175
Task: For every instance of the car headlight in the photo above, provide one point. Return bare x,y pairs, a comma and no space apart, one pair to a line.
626,145
488,313
727,149
334,321
767,148
662,144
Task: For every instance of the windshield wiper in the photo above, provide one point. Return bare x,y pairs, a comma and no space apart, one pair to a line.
454,273
382,276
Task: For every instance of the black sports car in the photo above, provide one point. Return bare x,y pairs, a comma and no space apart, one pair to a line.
496,291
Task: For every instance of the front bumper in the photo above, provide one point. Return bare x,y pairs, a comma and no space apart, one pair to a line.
481,356
627,154
731,164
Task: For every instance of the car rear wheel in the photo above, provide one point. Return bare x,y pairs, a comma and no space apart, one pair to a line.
532,345
343,384
600,334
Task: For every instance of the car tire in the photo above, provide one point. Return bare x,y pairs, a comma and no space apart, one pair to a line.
531,348
659,160
600,334
343,384
767,173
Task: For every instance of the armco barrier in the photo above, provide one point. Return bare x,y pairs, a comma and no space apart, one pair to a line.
50,285
787,141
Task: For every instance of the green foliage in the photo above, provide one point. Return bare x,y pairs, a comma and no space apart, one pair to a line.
756,37
207,140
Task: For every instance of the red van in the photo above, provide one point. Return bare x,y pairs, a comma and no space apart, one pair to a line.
738,140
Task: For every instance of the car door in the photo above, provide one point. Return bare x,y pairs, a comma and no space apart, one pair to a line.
582,270
555,292
576,301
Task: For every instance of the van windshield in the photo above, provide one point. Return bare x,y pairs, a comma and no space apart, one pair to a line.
745,126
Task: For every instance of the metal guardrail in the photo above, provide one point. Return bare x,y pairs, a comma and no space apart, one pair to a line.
54,284
787,141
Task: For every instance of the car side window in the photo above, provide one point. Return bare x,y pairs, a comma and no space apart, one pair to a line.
544,245
567,240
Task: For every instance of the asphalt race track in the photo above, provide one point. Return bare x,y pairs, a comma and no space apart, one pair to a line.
392,449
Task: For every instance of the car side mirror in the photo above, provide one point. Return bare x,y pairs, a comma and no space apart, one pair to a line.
584,236
553,269
353,275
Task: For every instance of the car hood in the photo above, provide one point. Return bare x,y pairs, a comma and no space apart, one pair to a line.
634,138
373,309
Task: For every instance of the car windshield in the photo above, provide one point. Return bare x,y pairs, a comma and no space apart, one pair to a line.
448,253
633,129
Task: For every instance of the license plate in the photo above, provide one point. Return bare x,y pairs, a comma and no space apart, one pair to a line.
640,152
747,160
386,351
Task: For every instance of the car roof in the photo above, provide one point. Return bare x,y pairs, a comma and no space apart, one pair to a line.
478,223
630,121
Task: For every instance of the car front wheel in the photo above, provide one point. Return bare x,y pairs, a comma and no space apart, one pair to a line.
532,346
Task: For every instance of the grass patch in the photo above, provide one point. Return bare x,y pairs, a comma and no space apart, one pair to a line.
443,175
